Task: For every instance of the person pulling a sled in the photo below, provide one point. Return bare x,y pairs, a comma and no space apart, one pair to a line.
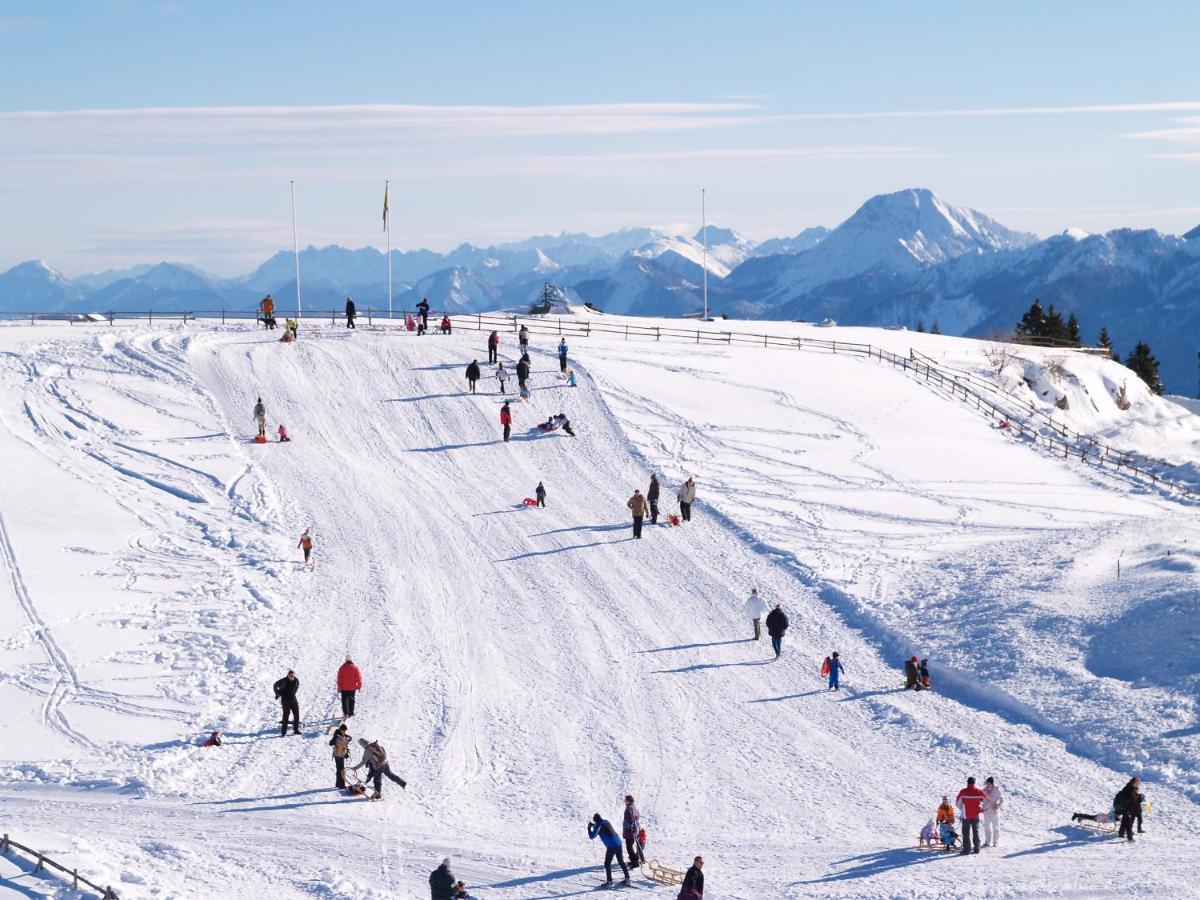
1128,805
835,669
376,761
602,828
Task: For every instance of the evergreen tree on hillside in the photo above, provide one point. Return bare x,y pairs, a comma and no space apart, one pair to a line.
1104,340
921,326
1033,323
1073,330
1144,364
1056,328
935,328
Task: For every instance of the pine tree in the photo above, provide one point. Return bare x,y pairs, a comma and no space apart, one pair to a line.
1033,323
921,326
1073,330
1103,340
1144,364
935,328
1056,328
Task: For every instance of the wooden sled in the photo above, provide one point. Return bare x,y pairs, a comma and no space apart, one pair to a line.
656,871
1096,827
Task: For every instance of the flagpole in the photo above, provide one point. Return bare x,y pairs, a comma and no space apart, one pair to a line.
296,249
704,233
387,221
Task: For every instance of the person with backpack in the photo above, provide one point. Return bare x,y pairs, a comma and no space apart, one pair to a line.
349,681
991,813
602,828
306,544
687,496
493,346
502,377
562,355
754,609
473,374
540,495
351,312
693,881
423,309
523,339
835,669
375,759
260,417
652,498
285,692
442,883
522,372
912,675
777,624
1128,805
637,505
631,830
970,802
340,742
506,420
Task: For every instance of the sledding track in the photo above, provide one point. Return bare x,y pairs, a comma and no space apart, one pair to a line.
524,667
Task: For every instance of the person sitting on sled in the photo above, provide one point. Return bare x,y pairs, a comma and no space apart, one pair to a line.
929,835
945,821
283,435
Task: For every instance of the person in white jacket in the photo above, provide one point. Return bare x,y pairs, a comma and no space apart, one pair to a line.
755,609
991,813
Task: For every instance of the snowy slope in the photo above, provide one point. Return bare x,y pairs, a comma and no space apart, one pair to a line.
526,668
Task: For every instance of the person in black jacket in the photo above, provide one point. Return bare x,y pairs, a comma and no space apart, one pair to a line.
777,624
285,693
693,881
350,313
912,675
340,742
473,374
1128,805
423,309
652,499
442,882
522,372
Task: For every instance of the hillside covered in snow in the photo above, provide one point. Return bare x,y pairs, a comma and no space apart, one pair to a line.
528,667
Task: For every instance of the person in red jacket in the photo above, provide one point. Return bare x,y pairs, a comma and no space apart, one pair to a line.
493,346
506,419
349,680
970,801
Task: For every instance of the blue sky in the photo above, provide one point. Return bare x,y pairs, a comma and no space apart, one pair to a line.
140,130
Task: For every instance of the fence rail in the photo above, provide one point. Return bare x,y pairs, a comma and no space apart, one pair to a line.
7,844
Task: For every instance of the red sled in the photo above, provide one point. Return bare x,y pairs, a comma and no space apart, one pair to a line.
261,439
529,501
673,520
825,668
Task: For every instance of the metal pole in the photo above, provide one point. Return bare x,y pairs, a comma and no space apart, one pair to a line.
387,221
704,234
296,249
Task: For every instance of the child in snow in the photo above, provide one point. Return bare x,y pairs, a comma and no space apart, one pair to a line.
571,378
929,836
540,493
214,740
445,324
283,435
945,822
525,392
835,669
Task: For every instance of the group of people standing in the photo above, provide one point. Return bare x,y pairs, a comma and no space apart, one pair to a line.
640,505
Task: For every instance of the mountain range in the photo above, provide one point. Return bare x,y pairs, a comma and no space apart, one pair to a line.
900,259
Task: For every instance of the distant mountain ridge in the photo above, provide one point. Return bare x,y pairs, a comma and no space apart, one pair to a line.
900,259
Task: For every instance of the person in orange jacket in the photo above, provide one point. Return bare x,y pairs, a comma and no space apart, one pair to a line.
306,544
267,307
945,823
349,680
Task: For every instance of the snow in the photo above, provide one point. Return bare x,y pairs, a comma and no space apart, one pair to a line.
526,668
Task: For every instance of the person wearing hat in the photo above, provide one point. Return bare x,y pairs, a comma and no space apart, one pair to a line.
991,813
754,609
912,675
652,498
687,496
631,827
340,742
375,759
285,693
637,505
777,624
603,829
349,681
442,882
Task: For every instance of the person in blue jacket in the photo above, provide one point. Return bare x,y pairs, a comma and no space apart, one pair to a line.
562,355
835,669
612,846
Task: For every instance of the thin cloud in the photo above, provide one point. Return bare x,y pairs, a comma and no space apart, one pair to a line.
20,23
1098,108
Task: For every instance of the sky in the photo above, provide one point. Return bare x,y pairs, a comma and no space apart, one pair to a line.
141,130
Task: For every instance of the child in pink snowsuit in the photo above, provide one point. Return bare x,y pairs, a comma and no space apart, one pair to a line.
283,435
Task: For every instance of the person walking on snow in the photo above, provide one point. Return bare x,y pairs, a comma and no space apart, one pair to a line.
351,312
423,309
473,374
687,496
1128,805
523,339
285,692
376,761
540,495
340,742
637,506
755,607
777,624
562,355
693,881
970,801
493,345
835,669
506,420
522,372
442,882
260,417
652,498
603,829
349,681
502,377
631,825
306,544
991,813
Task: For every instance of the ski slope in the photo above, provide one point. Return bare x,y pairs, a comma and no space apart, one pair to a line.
526,668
